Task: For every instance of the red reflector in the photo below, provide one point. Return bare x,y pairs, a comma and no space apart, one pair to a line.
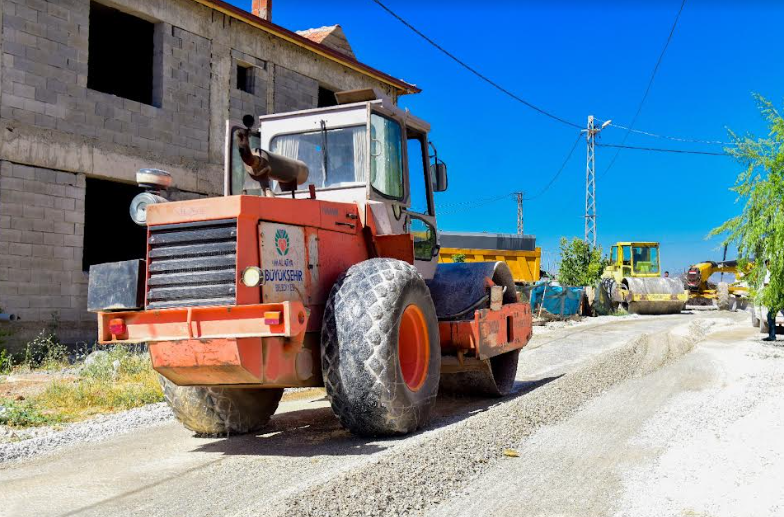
117,327
272,318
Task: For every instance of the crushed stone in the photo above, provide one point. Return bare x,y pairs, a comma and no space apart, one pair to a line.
429,468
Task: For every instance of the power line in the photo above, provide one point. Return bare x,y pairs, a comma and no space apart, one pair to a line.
563,166
474,71
681,151
648,88
675,138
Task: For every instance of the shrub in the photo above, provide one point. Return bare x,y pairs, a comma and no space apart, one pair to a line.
6,361
45,352
581,264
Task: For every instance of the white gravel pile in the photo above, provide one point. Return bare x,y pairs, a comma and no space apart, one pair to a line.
436,464
43,440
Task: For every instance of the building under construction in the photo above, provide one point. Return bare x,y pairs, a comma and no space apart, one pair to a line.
91,91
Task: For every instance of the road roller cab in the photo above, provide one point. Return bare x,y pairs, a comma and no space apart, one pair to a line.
633,281
319,267
634,259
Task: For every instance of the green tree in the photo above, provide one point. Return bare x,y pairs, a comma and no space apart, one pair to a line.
758,231
581,264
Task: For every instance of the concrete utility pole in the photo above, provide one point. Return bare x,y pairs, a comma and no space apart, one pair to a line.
590,180
519,196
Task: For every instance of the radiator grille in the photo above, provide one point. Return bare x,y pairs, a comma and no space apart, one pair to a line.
192,264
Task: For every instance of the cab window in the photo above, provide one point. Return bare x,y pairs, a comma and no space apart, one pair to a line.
386,156
424,239
336,157
238,172
417,179
614,255
646,259
627,255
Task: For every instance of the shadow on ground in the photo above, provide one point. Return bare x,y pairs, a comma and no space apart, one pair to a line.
317,432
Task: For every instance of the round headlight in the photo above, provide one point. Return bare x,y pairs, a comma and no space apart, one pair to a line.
139,206
251,276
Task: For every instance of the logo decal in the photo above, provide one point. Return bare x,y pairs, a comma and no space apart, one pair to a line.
282,242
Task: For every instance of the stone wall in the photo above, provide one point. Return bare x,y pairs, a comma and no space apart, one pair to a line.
294,91
41,235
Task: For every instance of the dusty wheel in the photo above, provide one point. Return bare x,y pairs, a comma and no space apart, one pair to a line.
208,411
381,356
723,296
755,321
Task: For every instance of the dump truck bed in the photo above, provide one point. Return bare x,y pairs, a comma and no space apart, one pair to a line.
519,252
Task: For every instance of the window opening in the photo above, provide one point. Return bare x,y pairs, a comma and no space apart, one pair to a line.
326,98
244,78
120,54
109,233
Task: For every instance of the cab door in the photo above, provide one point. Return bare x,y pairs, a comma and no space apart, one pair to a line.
420,212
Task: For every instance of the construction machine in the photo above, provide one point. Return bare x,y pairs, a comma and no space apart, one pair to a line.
728,296
633,282
318,267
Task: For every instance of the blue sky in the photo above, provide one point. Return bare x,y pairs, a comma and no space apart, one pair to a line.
574,60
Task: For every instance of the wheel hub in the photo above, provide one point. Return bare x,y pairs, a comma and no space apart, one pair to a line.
413,347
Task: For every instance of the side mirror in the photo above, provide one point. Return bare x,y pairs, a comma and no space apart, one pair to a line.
440,180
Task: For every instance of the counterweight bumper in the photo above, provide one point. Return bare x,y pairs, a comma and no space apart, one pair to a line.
284,319
262,345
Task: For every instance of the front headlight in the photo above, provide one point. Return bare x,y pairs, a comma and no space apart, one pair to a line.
139,206
251,276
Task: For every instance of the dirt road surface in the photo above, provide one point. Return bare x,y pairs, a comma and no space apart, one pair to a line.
669,415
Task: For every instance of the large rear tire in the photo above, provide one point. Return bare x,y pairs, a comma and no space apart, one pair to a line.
381,356
214,411
723,296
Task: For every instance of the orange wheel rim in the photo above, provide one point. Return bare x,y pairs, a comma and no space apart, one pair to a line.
413,347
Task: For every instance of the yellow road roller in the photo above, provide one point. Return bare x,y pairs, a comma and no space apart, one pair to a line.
633,281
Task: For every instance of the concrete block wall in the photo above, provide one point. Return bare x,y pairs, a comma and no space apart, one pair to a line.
253,102
294,91
45,85
41,236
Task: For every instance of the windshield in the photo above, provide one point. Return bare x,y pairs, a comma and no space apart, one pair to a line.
344,163
646,259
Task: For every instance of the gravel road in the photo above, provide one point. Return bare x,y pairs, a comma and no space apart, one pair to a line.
590,398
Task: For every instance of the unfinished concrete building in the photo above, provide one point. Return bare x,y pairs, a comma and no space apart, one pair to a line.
91,91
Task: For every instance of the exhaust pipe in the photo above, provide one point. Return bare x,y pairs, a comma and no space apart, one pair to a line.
6,316
264,166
